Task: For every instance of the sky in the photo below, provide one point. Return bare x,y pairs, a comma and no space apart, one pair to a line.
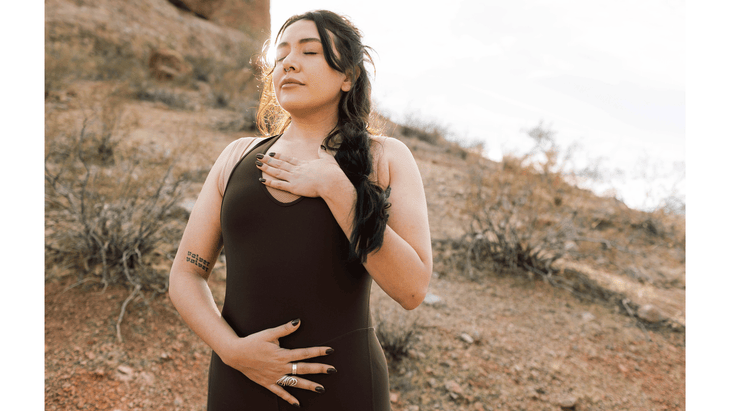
608,76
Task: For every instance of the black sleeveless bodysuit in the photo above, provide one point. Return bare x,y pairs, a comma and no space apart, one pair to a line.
287,261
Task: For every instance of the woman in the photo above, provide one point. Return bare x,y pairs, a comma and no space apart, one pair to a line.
308,217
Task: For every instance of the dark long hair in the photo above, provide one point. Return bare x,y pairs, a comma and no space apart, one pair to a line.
351,137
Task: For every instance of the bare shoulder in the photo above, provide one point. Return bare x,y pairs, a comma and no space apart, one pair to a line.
389,156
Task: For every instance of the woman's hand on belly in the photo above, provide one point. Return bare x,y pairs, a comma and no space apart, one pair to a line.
260,358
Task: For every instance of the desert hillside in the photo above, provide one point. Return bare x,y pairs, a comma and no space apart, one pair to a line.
544,296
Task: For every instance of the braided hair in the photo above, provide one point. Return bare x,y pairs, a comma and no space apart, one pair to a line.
351,136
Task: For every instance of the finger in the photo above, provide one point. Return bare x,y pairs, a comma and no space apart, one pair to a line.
280,173
304,384
298,354
284,330
277,184
276,163
314,368
288,159
284,394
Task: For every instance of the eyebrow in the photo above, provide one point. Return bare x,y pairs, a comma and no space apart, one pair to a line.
302,41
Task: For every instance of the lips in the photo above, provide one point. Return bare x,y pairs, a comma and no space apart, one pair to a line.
291,81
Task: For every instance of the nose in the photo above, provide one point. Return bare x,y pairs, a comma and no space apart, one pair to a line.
289,63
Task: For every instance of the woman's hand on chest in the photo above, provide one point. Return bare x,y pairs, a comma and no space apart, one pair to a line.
308,178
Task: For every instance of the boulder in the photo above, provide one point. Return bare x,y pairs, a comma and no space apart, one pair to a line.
249,16
167,64
650,313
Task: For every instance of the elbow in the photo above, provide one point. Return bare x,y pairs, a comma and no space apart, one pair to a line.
415,297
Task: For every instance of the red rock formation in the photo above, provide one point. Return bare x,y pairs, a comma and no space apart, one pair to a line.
250,16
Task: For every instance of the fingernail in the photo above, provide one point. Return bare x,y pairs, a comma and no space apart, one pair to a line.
296,405
323,147
259,156
329,351
258,163
295,322
319,389
263,180
272,154
331,370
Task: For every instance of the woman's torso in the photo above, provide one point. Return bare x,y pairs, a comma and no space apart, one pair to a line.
287,261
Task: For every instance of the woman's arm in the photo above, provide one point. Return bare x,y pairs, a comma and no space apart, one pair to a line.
403,265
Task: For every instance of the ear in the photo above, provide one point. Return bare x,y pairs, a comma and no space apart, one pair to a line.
350,79
347,84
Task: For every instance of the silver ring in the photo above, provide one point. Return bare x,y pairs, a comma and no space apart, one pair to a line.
287,381
294,368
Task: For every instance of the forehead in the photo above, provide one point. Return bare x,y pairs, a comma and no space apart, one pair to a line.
299,30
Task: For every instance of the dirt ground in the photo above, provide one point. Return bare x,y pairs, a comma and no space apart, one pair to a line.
506,344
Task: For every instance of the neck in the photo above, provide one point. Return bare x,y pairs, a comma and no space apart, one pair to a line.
312,126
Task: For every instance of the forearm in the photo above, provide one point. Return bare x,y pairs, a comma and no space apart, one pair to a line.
193,299
396,266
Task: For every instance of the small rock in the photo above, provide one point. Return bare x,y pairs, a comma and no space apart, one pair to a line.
413,408
433,300
124,373
568,402
650,313
394,397
125,370
178,401
623,368
586,316
453,387
467,338
165,356
432,382
90,355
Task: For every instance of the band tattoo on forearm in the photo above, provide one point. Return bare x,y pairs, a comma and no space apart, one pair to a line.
195,259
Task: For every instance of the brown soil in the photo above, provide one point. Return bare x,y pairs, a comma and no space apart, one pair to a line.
534,346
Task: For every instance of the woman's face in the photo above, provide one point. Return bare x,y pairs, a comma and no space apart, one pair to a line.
309,84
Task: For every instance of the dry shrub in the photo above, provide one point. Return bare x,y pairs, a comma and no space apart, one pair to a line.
511,224
107,202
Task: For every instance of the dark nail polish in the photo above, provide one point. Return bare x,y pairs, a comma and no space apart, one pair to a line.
296,405
329,351
258,163
323,148
259,156
331,370
263,180
272,154
319,389
295,322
